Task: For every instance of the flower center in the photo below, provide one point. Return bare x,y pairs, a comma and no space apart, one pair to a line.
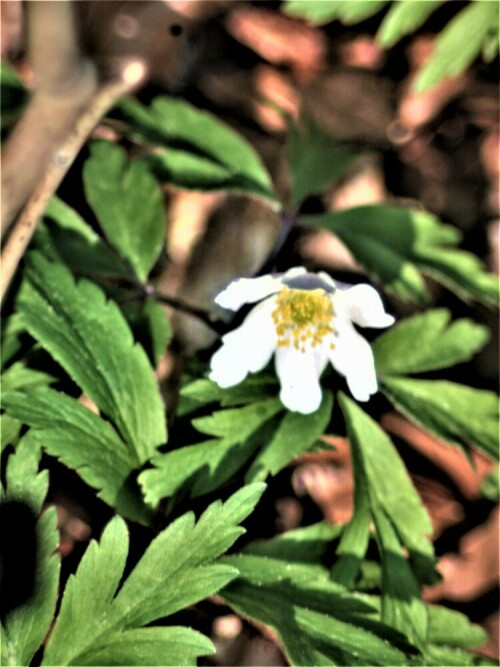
302,316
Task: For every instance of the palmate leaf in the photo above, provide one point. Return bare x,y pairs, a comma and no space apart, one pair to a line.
426,342
459,43
289,572
209,464
178,569
397,245
324,11
239,434
196,150
128,204
295,434
90,339
202,391
317,621
454,412
385,493
316,159
25,626
82,441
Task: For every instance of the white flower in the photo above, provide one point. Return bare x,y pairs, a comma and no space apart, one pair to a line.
306,320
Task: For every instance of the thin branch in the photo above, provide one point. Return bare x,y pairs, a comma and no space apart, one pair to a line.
62,159
65,83
206,316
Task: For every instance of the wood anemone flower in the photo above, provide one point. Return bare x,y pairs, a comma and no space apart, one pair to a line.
305,320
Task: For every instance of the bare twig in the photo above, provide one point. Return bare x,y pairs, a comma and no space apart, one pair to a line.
65,82
62,159
204,315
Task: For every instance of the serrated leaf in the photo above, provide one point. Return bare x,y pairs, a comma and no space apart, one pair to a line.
316,159
402,606
397,245
10,430
25,626
202,392
317,621
209,464
295,434
195,149
399,516
174,645
324,11
82,441
393,492
20,376
448,627
176,570
426,342
128,204
459,43
404,18
65,237
455,413
89,337
302,545
12,331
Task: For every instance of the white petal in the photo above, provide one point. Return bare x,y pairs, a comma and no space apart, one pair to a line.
327,278
294,271
299,374
363,306
247,349
352,357
248,290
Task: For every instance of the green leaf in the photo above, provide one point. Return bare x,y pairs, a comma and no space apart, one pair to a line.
402,607
25,626
459,43
302,545
64,236
455,413
399,516
82,441
442,656
150,326
177,570
404,18
12,332
10,430
295,434
393,492
316,159
90,339
209,464
317,621
174,645
451,628
490,487
202,392
396,245
128,204
20,376
195,149
427,342
325,11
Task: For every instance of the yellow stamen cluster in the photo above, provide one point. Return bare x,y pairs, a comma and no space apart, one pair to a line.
302,316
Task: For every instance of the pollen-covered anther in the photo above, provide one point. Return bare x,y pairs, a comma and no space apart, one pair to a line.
302,317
